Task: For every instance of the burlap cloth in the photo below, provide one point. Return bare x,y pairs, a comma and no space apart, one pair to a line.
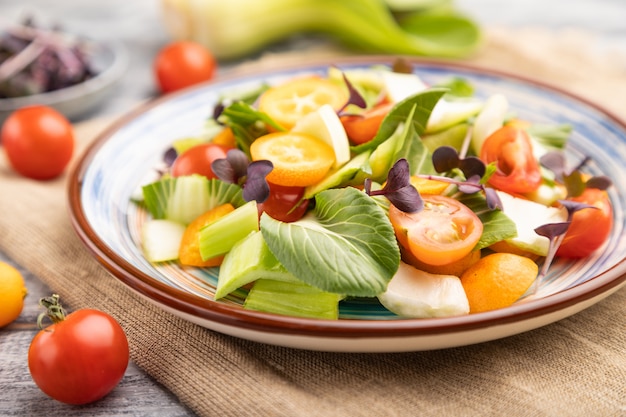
576,367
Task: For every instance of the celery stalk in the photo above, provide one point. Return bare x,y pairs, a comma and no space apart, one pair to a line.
189,199
250,259
219,237
292,298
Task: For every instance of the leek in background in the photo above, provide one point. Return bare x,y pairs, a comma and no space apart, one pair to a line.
233,29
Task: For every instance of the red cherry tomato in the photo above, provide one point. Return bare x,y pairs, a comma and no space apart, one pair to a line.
443,232
284,203
80,358
362,128
590,227
38,141
198,160
518,169
182,64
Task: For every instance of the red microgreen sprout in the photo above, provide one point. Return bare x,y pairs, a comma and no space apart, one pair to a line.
398,189
236,168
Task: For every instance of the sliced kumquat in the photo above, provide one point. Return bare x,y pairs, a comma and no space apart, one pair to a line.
189,250
299,159
289,102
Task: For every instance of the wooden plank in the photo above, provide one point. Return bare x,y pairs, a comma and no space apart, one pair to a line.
137,393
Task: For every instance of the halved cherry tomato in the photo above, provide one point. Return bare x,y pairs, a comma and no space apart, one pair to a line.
182,64
299,159
198,160
518,169
289,102
362,128
81,357
39,142
590,227
443,232
284,203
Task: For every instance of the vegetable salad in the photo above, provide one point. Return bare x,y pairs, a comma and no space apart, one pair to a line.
371,184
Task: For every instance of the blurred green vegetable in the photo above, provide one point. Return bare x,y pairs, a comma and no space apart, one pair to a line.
235,28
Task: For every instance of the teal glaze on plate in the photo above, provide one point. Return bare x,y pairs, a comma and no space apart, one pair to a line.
130,153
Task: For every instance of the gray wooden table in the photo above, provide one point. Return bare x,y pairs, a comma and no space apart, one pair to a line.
137,24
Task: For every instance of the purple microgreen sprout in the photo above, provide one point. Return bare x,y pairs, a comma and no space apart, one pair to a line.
34,60
555,232
398,189
446,159
169,157
232,169
256,186
354,98
236,168
573,179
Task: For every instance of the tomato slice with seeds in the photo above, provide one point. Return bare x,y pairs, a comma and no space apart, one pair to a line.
518,169
443,232
289,102
299,159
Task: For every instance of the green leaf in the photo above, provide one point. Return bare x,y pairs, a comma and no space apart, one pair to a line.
443,34
347,247
243,119
554,136
413,150
424,103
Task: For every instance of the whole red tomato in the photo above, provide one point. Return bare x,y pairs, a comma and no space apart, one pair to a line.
198,160
182,64
38,141
81,357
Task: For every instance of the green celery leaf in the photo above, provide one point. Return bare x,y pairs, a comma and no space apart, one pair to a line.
347,247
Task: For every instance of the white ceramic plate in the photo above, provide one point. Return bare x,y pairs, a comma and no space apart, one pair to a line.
108,222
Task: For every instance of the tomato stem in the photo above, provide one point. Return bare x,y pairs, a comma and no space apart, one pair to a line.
54,310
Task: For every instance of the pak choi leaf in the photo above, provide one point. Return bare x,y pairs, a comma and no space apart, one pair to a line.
347,246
